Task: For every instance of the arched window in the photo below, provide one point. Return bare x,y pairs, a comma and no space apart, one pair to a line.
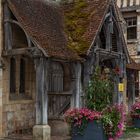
12,75
22,76
56,76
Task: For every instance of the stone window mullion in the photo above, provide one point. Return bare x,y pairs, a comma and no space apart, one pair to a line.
18,75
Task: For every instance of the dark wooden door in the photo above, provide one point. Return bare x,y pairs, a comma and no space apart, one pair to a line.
58,104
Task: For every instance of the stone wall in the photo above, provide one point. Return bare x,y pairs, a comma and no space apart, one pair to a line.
18,115
0,102
1,78
132,49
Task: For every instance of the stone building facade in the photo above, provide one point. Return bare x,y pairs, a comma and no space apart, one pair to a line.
46,63
130,10
131,13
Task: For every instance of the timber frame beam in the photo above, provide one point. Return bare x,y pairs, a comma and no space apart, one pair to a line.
108,53
33,52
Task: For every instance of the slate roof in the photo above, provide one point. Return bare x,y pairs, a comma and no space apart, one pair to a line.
65,31
43,22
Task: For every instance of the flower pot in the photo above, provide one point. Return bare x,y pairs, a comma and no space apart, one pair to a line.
136,122
93,131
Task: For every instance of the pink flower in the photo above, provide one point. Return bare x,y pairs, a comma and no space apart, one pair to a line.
79,115
135,109
120,125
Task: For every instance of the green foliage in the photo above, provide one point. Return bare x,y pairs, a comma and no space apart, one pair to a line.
99,92
113,119
110,121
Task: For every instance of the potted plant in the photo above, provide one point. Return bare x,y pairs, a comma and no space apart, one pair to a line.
85,124
135,114
113,119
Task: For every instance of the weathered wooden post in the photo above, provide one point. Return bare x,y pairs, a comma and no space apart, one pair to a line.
125,85
77,86
8,29
41,130
131,89
121,77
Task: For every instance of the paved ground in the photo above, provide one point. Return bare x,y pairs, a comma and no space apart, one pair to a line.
133,136
31,138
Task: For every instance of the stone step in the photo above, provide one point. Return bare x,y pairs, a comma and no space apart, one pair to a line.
59,128
60,138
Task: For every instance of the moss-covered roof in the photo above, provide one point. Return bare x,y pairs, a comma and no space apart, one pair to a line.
61,33
82,21
43,22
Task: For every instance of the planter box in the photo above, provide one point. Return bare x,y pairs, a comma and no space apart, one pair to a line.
136,122
94,131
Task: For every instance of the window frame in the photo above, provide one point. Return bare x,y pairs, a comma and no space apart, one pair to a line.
131,23
12,76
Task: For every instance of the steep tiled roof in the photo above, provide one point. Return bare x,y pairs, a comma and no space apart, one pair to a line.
83,19
61,32
133,65
43,22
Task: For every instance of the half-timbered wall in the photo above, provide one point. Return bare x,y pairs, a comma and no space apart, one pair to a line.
127,3
19,79
109,52
131,13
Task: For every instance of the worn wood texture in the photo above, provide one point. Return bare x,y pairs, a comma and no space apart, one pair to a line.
76,86
8,29
130,88
58,104
41,91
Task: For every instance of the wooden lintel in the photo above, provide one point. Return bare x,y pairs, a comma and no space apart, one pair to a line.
109,53
15,51
32,51
61,93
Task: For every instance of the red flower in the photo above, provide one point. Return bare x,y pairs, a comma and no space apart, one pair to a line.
117,70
